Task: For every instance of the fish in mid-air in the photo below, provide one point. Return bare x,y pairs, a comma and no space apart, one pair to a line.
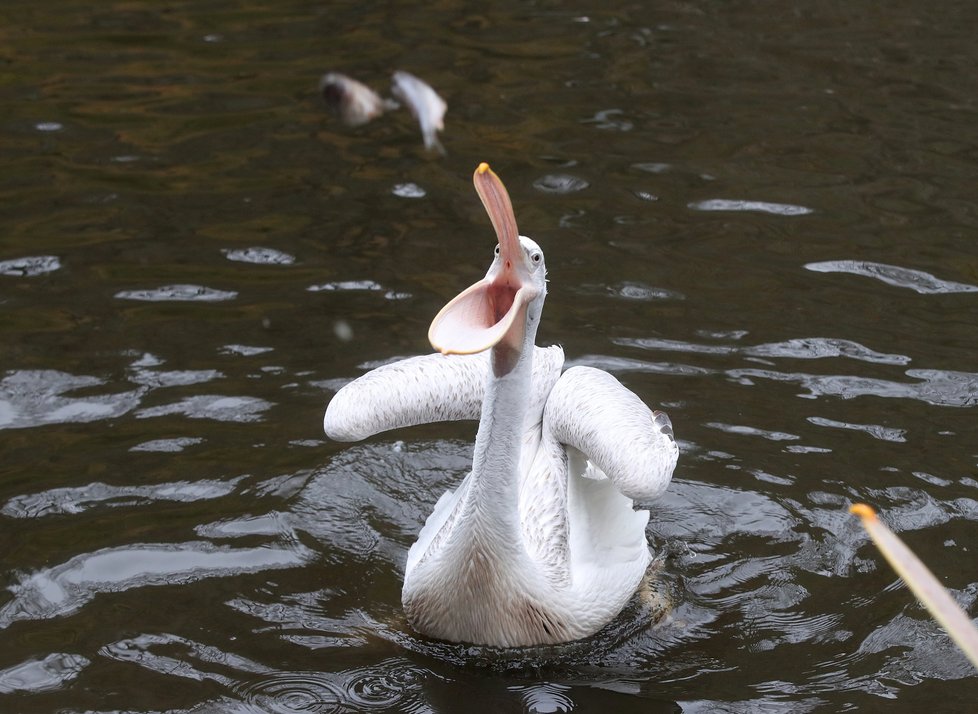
353,102
357,104
425,104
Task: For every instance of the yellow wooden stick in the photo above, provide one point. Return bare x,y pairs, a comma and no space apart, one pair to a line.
922,582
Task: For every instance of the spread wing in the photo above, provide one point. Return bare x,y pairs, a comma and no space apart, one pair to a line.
417,390
421,390
593,412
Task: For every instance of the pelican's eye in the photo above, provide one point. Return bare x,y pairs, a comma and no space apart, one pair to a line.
536,256
496,252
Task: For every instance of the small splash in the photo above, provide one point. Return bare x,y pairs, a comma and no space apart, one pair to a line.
178,293
645,196
916,280
560,183
259,256
147,359
49,126
778,209
342,330
408,190
30,266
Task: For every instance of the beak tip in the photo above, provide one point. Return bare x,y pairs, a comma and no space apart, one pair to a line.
482,168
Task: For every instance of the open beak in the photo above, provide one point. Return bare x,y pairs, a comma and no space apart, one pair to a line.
492,310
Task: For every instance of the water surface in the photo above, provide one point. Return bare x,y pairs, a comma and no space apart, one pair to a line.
763,222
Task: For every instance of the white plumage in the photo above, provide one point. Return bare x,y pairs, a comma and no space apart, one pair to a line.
539,544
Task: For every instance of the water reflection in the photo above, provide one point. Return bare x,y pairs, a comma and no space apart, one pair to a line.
211,406
30,266
259,256
916,280
178,293
66,588
35,397
723,204
53,672
100,495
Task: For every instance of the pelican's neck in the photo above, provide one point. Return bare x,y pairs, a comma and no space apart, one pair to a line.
493,500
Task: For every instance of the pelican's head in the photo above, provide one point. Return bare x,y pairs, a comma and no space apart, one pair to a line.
503,309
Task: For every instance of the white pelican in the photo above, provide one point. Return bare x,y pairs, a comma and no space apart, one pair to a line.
540,543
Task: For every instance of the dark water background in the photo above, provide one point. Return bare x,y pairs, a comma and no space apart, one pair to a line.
760,216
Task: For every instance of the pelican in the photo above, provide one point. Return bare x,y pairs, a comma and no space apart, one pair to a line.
540,543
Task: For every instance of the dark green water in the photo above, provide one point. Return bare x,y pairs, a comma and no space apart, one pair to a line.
760,217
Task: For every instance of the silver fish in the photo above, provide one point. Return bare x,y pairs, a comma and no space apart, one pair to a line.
353,102
425,104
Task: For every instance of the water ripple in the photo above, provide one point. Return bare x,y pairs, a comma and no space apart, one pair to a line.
30,266
171,446
799,348
921,650
623,364
399,482
245,350
560,183
916,280
212,406
64,589
355,285
652,167
52,672
408,190
608,120
139,650
874,430
630,291
35,397
259,255
178,293
80,499
752,431
723,204
291,692
176,378
937,387
390,685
